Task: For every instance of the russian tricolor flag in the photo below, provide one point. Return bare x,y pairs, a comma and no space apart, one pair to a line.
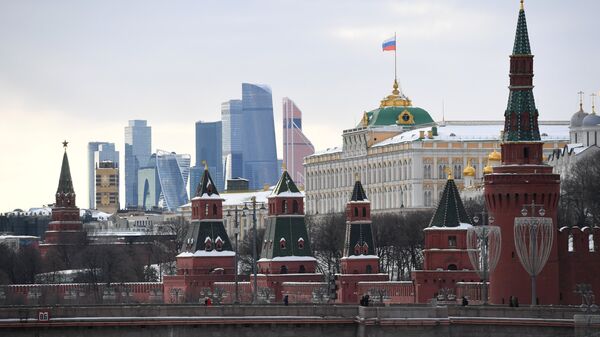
389,44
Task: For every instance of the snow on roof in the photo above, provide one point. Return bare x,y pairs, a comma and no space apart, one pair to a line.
20,237
212,253
463,131
289,258
238,198
288,194
462,226
329,150
360,257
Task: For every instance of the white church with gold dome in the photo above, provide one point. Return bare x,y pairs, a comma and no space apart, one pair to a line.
400,154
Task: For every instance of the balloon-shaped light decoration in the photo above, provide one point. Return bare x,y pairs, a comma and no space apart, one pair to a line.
533,242
483,247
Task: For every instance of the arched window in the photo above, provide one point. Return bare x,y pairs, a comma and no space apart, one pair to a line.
295,207
214,209
364,212
219,243
365,248
355,211
282,243
452,267
571,243
369,269
357,249
284,206
300,243
207,244
283,270
302,269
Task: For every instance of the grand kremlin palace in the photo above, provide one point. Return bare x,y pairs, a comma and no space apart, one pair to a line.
403,157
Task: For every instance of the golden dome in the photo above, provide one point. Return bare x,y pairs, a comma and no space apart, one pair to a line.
495,156
488,169
469,171
396,98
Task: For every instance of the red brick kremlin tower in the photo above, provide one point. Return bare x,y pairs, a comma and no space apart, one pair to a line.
360,263
65,231
207,255
286,254
521,179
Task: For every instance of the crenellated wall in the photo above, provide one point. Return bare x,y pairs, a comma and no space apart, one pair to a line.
579,261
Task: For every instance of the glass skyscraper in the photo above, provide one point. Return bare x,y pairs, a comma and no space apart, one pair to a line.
173,171
208,148
296,145
138,144
97,152
258,136
232,119
149,190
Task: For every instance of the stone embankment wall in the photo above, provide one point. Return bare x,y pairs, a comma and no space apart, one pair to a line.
314,321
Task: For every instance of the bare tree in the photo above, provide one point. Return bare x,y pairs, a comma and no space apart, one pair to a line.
580,201
327,238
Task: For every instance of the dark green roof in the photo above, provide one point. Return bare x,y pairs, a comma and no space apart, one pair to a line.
389,116
358,193
450,211
521,46
206,186
285,184
290,228
360,233
520,101
200,230
65,183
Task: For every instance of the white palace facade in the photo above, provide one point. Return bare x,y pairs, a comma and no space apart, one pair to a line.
402,157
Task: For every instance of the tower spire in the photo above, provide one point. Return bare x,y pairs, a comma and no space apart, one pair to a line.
580,93
65,183
521,115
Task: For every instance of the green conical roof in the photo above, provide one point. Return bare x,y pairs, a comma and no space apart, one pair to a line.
521,46
207,187
285,184
358,193
450,211
65,183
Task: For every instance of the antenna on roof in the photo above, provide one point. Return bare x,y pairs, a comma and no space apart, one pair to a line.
443,113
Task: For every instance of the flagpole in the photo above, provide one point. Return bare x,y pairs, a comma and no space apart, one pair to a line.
395,50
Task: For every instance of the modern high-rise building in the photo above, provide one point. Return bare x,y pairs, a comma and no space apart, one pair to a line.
138,144
208,149
148,185
232,121
258,136
195,178
173,171
107,186
98,152
296,145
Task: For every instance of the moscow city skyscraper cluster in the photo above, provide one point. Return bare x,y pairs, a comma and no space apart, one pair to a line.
241,145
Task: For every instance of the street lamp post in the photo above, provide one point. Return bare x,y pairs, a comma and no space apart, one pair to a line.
254,259
236,233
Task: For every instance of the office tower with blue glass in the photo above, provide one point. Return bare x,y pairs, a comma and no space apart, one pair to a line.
209,150
98,152
258,136
173,171
232,121
138,144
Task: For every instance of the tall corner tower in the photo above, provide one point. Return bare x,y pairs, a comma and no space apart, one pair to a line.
521,179
65,230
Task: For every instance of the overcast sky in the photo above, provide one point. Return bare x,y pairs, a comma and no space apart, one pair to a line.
79,70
